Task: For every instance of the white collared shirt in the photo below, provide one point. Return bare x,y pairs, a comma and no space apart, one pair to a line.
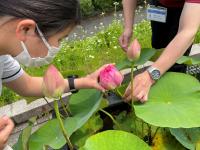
10,70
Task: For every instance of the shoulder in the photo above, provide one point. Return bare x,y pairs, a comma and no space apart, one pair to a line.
11,69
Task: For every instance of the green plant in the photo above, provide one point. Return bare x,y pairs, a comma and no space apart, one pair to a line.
87,7
103,5
172,104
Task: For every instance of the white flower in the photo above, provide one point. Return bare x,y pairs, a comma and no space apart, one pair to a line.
116,3
103,13
120,15
140,7
101,24
90,56
75,35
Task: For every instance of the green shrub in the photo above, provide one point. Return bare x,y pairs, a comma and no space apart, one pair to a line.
103,5
87,7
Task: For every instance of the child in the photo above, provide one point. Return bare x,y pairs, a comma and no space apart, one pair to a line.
30,34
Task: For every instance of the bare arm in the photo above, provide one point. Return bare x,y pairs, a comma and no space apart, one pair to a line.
32,86
129,7
188,27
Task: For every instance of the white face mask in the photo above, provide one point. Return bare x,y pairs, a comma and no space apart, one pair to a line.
25,58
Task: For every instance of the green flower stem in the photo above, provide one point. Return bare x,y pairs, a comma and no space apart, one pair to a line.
111,117
132,98
142,129
118,92
62,125
64,107
132,73
149,134
157,129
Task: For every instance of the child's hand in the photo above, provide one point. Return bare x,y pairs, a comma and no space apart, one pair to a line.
91,80
6,127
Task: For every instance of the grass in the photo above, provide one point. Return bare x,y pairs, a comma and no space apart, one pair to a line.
84,56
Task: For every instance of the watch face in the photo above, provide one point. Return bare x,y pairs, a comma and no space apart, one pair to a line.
155,74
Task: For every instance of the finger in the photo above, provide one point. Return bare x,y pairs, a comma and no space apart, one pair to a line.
7,130
138,89
121,40
3,122
127,92
140,96
144,99
100,88
130,98
123,43
126,41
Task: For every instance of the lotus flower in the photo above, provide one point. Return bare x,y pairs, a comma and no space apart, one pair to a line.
110,78
53,83
134,51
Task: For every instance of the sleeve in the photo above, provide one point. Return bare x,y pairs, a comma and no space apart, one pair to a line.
192,1
11,69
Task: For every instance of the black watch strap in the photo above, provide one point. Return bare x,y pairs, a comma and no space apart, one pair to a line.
71,83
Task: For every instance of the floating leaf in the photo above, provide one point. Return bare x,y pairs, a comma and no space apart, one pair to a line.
115,140
189,60
163,140
187,137
174,101
82,106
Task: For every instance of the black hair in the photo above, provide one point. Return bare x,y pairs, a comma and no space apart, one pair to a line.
50,15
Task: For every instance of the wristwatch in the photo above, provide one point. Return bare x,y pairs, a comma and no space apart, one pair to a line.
154,73
71,79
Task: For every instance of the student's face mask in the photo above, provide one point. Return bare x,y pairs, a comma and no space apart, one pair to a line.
25,59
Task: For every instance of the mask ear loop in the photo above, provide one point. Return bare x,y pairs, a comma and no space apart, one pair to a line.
24,48
43,38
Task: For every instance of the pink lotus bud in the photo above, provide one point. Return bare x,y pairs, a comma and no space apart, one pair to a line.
53,83
134,51
110,77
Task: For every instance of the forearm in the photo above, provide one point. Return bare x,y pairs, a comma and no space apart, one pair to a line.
27,86
79,83
129,7
33,86
188,27
174,50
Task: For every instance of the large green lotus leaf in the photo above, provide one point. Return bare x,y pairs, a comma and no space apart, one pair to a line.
189,60
187,137
115,140
174,101
82,106
146,54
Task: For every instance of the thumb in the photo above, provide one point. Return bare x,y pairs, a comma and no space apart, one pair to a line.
3,122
